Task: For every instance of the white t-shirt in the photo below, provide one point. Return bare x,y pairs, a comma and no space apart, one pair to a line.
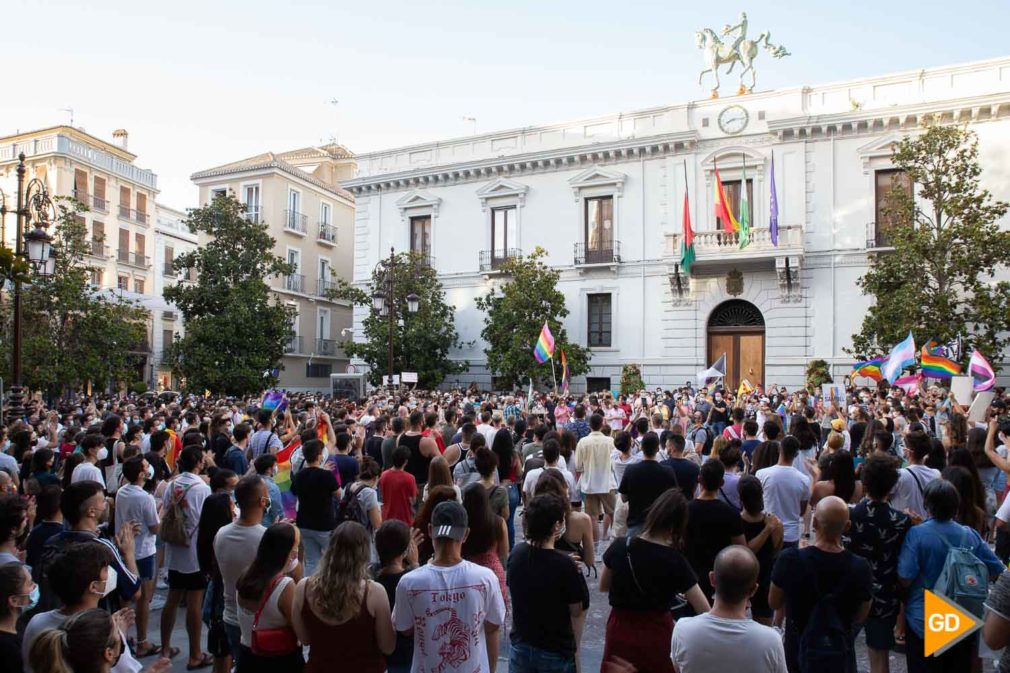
183,559
530,483
54,619
87,472
706,643
9,464
907,493
135,504
453,602
1003,513
235,548
784,489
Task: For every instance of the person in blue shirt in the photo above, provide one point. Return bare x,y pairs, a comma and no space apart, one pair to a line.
920,563
235,458
266,468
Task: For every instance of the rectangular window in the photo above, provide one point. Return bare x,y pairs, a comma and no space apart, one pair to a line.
295,259
324,324
169,256
123,283
420,234
599,231
124,197
318,370
97,231
731,189
141,203
140,244
214,193
96,277
138,285
99,188
599,320
251,198
886,183
294,201
81,186
324,213
167,337
124,245
325,272
597,384
503,231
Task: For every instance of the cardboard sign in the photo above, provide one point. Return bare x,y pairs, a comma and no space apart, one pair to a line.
979,409
833,392
409,377
395,380
960,388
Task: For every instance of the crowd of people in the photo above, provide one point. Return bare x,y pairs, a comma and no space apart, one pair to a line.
443,531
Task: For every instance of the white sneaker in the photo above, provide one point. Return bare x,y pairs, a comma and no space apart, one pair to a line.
162,584
157,602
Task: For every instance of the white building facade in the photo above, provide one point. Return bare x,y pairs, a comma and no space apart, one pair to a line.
605,198
171,239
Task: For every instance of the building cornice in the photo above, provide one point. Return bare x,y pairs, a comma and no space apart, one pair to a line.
575,157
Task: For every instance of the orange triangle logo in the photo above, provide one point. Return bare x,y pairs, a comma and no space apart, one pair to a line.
946,624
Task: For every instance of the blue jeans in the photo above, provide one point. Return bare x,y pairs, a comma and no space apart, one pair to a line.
528,659
514,500
234,633
316,542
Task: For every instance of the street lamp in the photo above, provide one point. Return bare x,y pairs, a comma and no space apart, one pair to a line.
384,303
33,204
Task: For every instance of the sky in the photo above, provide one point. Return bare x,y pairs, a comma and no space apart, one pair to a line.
202,83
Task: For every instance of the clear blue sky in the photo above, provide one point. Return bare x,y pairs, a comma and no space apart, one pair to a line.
199,83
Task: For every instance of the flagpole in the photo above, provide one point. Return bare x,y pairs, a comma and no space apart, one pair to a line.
553,377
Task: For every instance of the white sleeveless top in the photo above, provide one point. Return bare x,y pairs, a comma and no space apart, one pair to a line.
271,618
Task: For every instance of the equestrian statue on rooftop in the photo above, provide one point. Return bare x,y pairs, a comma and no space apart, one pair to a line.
741,49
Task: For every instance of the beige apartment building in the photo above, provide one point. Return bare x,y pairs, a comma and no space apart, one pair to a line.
311,218
119,195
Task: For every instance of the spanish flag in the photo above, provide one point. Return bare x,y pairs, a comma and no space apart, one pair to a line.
722,209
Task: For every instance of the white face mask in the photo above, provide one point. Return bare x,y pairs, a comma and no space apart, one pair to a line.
110,582
150,472
292,564
103,453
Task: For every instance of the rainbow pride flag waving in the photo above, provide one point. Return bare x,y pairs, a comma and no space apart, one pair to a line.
564,372
283,478
544,349
869,369
936,366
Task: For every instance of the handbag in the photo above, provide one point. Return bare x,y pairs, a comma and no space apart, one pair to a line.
274,641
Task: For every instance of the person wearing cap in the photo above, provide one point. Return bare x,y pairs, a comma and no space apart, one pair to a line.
453,608
838,425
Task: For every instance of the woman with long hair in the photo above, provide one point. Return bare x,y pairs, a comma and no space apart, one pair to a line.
440,475
509,468
218,511
644,575
341,614
425,548
838,478
265,595
763,531
969,512
88,642
487,542
765,455
577,537
18,594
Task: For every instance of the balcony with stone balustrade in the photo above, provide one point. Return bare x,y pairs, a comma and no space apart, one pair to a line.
720,248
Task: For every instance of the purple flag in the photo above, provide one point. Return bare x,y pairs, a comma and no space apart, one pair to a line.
773,225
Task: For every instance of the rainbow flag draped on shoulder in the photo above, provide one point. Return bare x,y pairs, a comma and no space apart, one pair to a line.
544,348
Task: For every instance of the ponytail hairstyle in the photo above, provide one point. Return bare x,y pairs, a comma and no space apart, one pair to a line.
79,646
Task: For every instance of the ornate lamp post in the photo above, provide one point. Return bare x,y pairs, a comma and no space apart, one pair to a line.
33,205
384,303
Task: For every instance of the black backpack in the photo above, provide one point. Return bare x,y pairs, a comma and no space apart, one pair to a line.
350,508
709,439
824,644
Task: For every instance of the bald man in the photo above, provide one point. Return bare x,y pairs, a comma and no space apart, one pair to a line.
823,571
725,638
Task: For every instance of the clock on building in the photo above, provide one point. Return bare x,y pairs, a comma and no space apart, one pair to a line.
733,119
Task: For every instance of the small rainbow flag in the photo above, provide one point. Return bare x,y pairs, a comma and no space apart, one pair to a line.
283,478
564,372
936,366
272,399
544,350
981,372
869,369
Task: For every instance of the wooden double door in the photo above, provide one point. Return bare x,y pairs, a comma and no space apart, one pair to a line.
745,353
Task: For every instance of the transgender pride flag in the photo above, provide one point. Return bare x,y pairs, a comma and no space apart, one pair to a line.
544,350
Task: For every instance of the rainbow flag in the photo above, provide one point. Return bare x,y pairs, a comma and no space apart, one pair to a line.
869,369
936,366
564,372
272,399
722,209
982,372
283,478
544,350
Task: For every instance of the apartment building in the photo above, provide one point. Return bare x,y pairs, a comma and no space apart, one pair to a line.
172,238
120,197
311,218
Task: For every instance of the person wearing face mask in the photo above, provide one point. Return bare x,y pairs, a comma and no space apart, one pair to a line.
235,546
18,593
84,505
112,431
81,577
266,467
136,507
94,453
218,512
265,594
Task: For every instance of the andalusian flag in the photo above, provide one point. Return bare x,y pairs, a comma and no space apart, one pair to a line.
544,348
564,372
744,208
687,246
722,210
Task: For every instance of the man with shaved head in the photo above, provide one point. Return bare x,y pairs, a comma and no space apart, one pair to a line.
824,571
724,638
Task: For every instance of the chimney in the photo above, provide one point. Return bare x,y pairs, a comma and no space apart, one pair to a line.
120,137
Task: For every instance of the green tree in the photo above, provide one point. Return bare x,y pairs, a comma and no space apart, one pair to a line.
236,332
818,372
422,340
947,247
72,332
631,378
514,315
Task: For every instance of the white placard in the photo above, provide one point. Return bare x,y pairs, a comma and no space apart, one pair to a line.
960,388
409,377
979,409
395,381
833,392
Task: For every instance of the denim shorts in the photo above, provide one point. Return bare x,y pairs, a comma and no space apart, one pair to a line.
146,567
525,658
